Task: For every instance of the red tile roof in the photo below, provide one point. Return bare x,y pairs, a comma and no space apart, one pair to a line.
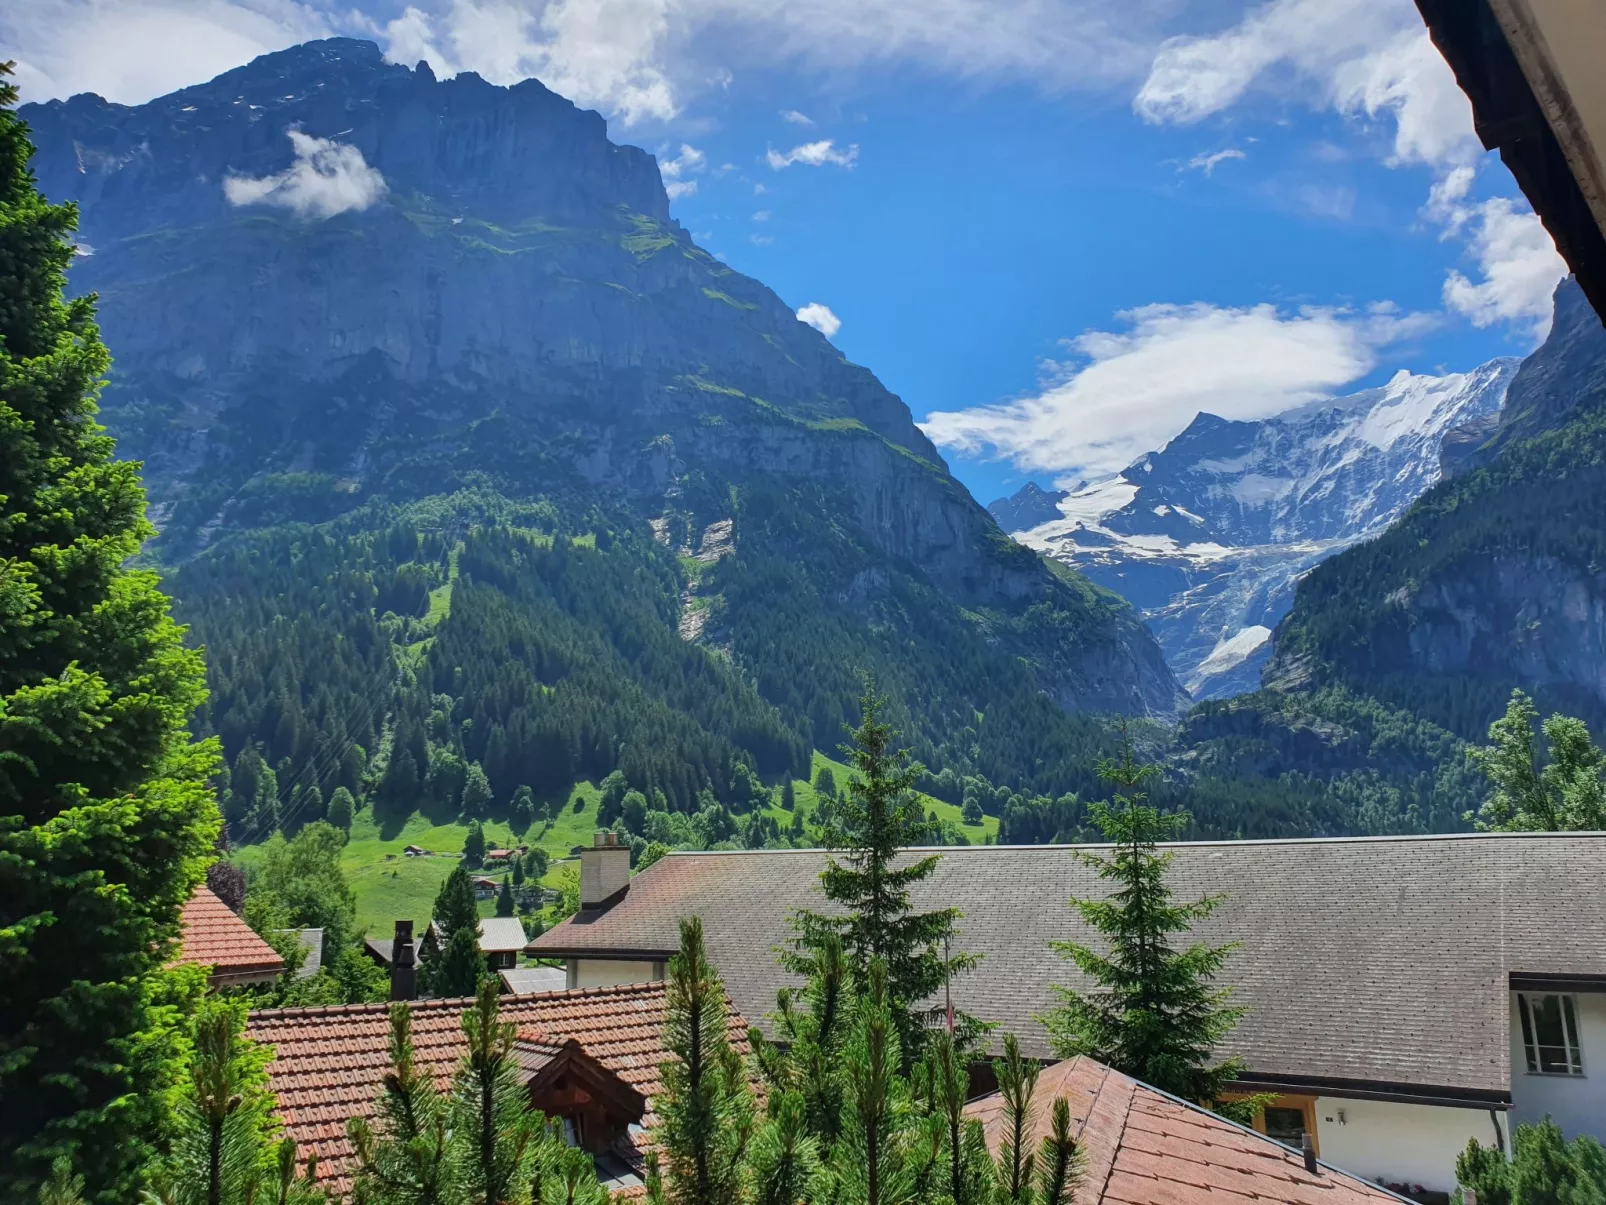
329,1062
215,937
1142,1147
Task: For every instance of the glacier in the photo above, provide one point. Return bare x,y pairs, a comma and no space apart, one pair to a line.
1209,535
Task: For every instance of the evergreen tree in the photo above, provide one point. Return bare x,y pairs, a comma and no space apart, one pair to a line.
489,1118
705,1107
825,783
1559,788
474,844
63,1187
504,899
1017,1081
1545,1169
108,816
460,966
788,794
813,1023
518,872
342,807
878,818
1059,1159
223,1148
1154,1014
476,799
784,1161
883,1155
454,904
964,1175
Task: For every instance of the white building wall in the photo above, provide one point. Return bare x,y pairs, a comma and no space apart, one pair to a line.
606,972
1576,1103
1399,1143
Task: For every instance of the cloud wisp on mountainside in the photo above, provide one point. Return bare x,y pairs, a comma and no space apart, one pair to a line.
327,178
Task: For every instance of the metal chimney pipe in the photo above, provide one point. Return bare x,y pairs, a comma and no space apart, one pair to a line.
403,968
1307,1147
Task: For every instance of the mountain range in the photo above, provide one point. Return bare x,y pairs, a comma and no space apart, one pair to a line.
460,447
1209,535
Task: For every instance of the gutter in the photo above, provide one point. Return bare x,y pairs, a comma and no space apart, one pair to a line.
1400,1093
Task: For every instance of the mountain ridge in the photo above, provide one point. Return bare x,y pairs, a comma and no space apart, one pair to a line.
416,395
1208,535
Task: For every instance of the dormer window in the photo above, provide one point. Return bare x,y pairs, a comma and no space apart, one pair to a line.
1550,1033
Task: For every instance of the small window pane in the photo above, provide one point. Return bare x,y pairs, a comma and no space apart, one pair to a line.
1550,1034
1287,1126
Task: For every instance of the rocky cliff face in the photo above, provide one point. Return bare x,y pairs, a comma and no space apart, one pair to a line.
1209,535
328,279
1492,580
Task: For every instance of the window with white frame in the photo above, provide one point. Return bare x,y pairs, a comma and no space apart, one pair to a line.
1550,1033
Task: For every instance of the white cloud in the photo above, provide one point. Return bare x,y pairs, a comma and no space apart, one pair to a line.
763,215
1207,163
607,53
639,59
1368,57
130,51
796,118
762,240
820,318
813,154
1128,391
689,160
1517,261
326,178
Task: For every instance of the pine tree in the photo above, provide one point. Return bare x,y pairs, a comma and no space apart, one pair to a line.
883,1155
965,1175
461,966
705,1106
784,1161
1059,1159
109,817
404,1161
1545,1169
224,1150
788,794
879,817
1154,1014
454,903
489,1116
504,899
1017,1082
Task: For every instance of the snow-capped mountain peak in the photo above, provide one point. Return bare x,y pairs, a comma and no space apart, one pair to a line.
1207,535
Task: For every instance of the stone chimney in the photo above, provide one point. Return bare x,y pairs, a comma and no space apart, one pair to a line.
403,969
604,872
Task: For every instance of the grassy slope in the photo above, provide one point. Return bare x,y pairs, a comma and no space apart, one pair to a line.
389,885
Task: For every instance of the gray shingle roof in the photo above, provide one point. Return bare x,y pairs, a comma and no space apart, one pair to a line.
1372,960
502,935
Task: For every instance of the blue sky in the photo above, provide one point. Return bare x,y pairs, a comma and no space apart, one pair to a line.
1057,228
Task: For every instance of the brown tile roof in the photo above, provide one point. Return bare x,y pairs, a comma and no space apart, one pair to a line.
1142,1147
329,1062
213,936
1362,960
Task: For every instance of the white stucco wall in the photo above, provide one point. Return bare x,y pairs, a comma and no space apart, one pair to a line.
606,972
1576,1103
1399,1143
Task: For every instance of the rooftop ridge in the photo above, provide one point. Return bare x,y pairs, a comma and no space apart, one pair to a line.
1392,838
433,1004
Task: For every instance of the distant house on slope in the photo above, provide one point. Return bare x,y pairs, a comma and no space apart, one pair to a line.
214,937
1404,994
